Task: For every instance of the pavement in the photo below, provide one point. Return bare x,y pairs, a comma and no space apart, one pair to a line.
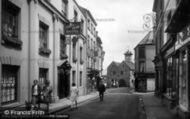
66,103
154,108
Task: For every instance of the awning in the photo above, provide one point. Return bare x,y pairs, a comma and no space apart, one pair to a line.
180,18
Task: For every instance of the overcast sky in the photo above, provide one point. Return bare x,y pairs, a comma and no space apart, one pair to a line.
120,24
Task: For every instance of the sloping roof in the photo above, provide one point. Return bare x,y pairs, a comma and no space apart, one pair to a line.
117,63
86,11
147,40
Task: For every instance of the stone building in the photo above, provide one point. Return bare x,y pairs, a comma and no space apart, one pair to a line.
94,51
171,33
34,45
144,66
121,74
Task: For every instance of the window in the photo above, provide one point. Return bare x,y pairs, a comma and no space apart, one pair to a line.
43,76
89,24
82,26
75,16
80,78
63,47
142,66
64,7
81,55
9,84
183,81
74,52
43,37
10,22
121,72
114,73
74,77
141,52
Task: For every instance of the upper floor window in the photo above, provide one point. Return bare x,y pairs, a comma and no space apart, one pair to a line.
82,25
63,47
43,37
10,24
64,7
89,24
141,52
75,16
142,66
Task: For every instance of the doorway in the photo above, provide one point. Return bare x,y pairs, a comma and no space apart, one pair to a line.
63,84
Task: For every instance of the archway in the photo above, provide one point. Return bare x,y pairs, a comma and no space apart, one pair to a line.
122,83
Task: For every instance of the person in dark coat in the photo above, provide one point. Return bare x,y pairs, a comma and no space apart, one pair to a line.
101,89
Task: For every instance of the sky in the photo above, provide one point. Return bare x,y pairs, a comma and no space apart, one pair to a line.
120,25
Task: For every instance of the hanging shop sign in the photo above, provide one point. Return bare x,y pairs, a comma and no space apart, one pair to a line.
73,28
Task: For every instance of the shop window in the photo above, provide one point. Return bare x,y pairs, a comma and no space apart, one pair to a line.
183,81
169,76
43,37
63,47
43,76
9,84
10,25
80,78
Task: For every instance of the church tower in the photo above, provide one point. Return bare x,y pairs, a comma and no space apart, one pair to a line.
128,55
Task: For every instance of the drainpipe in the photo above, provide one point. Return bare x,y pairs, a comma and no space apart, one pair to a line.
54,37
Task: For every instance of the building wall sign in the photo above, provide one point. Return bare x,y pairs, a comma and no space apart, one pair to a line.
73,28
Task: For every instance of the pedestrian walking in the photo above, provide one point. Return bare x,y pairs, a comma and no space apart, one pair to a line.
101,89
74,96
35,93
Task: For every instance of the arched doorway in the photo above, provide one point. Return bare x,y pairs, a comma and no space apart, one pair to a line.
122,83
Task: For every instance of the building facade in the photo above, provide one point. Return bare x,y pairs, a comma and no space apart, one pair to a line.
172,60
121,74
94,51
144,67
35,46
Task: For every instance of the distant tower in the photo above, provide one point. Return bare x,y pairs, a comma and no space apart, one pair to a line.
128,55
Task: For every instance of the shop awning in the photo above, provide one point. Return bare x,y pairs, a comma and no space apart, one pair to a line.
180,18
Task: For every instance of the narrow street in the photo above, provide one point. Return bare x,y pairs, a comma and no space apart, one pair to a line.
118,104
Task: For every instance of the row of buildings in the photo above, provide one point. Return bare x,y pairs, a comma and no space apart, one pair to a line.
172,60
47,40
121,74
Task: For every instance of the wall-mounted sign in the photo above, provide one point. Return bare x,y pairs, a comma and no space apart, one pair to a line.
73,28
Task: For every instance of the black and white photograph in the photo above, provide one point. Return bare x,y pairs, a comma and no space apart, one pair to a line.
95,59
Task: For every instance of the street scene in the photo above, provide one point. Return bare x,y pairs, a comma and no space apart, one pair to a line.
89,59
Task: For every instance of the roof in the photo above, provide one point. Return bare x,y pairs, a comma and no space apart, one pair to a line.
86,11
117,63
147,40
130,64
